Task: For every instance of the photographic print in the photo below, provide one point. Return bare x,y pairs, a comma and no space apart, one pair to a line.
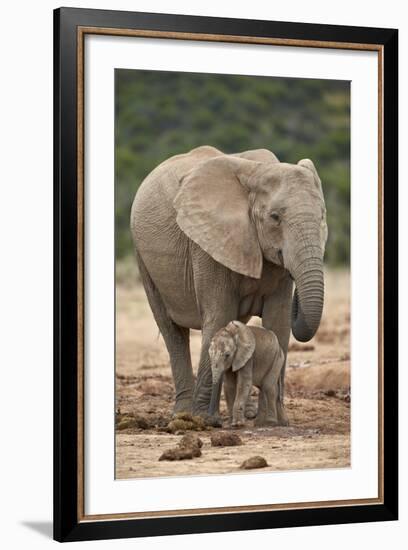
232,274
225,244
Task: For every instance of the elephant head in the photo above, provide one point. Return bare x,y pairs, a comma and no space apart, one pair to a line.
231,348
241,212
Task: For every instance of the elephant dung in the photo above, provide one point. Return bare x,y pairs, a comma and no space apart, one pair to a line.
188,447
181,453
125,421
185,422
190,440
225,439
254,462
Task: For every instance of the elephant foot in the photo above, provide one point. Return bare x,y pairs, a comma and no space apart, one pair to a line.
266,422
200,408
183,406
238,421
283,422
238,424
283,419
251,409
213,421
271,422
259,422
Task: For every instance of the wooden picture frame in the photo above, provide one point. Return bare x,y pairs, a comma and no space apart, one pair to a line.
70,28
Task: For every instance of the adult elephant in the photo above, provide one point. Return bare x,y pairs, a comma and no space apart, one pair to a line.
221,237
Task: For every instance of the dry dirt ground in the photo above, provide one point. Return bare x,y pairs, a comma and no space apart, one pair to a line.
317,396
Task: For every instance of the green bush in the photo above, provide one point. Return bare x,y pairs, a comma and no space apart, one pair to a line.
160,114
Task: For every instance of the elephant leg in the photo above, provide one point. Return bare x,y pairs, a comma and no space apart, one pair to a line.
276,316
218,304
177,340
251,408
230,391
271,392
262,409
203,387
244,385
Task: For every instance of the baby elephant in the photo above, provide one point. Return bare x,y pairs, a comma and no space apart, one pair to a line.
247,356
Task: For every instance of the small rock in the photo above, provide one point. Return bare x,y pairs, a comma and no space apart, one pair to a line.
254,462
225,439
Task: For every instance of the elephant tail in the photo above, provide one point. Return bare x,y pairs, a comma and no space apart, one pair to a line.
153,296
281,382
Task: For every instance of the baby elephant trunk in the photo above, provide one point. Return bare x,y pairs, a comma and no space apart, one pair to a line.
215,394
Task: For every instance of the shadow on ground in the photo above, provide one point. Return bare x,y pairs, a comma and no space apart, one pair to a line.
42,527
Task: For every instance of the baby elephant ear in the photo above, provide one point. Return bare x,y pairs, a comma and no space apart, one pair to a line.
308,164
211,350
245,341
213,211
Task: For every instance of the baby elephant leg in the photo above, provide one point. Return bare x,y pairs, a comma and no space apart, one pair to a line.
270,392
262,409
244,385
230,391
251,408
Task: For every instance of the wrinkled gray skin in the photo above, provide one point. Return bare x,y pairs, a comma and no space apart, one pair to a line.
247,356
222,237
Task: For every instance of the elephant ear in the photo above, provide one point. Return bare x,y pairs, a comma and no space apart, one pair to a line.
213,211
245,341
211,350
308,164
260,155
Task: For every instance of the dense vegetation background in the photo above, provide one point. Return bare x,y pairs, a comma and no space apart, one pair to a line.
160,114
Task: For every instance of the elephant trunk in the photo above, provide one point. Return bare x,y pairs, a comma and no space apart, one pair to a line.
306,268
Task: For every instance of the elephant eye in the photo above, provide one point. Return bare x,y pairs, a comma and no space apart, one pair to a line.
275,217
226,354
